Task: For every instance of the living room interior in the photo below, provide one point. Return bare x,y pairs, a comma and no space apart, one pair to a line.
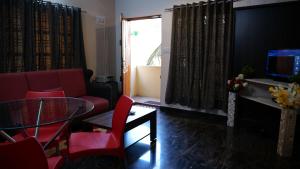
104,84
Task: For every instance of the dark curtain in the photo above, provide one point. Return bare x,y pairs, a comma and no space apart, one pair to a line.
200,51
37,35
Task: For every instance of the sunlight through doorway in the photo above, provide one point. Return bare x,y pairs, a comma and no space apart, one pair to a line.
141,43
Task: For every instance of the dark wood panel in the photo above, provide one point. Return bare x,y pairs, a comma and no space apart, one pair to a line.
261,28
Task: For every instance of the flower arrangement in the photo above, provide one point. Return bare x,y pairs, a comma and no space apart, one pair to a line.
287,98
237,83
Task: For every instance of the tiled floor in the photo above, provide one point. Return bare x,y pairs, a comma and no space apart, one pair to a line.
200,142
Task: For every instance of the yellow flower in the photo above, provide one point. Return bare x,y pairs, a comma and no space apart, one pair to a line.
287,98
298,90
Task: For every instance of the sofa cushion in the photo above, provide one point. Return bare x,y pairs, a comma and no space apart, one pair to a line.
100,104
54,89
13,86
72,81
37,94
42,80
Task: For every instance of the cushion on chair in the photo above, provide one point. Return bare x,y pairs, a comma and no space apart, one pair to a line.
13,86
100,104
42,80
91,143
72,81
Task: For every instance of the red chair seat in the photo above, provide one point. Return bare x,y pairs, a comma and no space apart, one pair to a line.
45,133
102,143
92,143
55,162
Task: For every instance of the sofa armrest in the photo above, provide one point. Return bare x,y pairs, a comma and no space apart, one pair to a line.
107,90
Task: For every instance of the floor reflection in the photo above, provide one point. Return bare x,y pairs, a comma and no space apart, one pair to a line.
200,142
144,154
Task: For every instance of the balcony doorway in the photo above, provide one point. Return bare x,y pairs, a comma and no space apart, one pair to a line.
141,53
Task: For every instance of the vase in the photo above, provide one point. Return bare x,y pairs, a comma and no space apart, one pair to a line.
231,108
286,132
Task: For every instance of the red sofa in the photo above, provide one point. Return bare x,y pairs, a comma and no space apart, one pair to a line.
15,85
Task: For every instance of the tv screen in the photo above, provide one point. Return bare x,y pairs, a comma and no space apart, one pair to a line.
283,63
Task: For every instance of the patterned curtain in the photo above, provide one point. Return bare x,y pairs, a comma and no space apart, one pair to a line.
200,50
37,35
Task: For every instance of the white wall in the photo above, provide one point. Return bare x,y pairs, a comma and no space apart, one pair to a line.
135,8
93,8
147,82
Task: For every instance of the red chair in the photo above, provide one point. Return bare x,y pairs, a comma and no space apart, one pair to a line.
103,143
27,154
45,132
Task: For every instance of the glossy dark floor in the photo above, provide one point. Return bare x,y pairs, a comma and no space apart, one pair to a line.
200,142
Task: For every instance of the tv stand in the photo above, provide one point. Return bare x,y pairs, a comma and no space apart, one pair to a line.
258,91
269,82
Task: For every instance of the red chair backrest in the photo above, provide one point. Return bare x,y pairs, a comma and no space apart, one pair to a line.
120,115
54,110
23,154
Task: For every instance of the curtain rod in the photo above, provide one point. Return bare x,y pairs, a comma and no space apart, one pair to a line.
142,17
42,1
204,3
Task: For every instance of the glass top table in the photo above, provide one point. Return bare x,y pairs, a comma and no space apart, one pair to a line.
33,113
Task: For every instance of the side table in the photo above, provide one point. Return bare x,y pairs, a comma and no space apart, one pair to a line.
139,115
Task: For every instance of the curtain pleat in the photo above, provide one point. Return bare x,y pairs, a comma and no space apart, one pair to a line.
200,49
39,35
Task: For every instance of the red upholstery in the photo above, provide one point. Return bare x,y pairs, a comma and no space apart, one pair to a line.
26,154
45,132
100,104
35,94
98,143
42,80
13,86
72,81
55,162
120,117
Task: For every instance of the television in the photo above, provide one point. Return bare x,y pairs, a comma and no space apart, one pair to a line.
281,64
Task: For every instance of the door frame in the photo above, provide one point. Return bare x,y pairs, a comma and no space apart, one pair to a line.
122,18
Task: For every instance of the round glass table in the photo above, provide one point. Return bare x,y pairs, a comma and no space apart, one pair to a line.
33,113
